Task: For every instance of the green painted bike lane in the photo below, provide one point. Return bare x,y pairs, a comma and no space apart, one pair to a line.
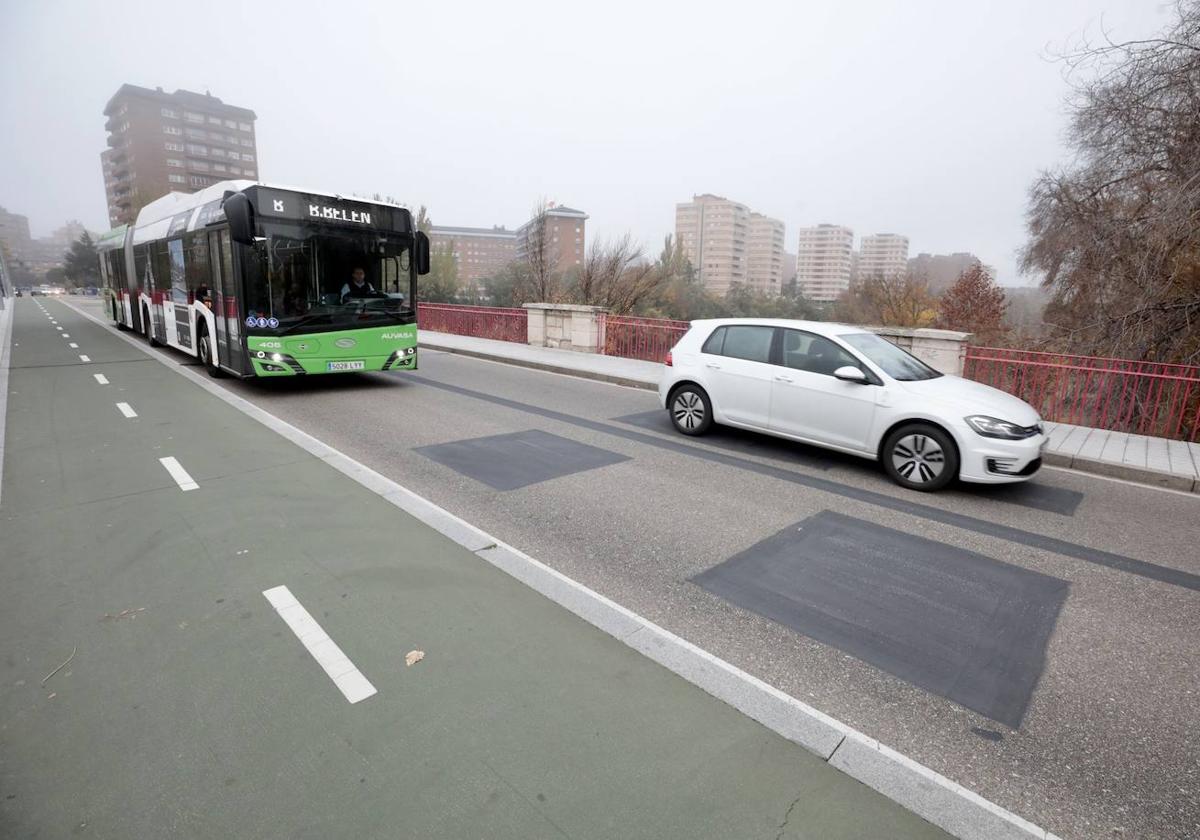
190,709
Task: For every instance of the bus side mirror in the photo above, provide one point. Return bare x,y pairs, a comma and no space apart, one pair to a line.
422,253
239,212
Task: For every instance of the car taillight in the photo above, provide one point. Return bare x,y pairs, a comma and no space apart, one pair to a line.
667,361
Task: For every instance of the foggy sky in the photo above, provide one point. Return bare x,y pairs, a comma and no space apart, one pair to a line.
928,119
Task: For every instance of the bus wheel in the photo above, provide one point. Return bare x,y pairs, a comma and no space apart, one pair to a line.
204,348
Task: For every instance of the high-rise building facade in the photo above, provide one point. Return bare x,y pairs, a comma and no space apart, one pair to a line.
714,232
479,252
162,142
940,271
823,262
764,254
563,235
882,255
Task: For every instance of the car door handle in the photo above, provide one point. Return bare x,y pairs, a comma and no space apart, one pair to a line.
713,366
783,379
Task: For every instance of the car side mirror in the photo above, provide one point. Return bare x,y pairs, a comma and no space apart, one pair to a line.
422,253
239,212
849,373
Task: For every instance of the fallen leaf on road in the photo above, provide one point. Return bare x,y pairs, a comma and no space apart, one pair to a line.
413,657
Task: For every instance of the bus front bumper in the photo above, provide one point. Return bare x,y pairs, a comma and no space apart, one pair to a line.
267,363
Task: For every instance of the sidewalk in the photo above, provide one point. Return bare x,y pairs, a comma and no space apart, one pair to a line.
1157,461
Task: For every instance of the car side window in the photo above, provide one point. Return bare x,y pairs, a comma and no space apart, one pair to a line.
712,345
812,353
747,342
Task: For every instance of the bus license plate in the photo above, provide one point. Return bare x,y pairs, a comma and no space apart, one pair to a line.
333,366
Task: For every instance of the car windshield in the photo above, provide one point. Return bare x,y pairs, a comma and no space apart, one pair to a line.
895,362
332,282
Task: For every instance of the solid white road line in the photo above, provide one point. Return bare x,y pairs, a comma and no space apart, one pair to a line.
126,409
101,378
329,656
73,345
178,473
83,358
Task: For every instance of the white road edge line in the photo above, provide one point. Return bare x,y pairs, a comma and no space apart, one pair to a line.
127,410
178,473
316,641
101,378
6,319
928,794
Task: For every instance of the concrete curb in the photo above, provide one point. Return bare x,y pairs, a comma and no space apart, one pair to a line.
927,794
1154,478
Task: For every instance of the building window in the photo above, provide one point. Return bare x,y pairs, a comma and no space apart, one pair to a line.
235,170
219,167
191,116
173,147
214,120
198,165
244,126
199,181
194,149
230,124
247,158
168,112
176,179
234,156
195,134
174,162
220,153
249,173
170,129
248,143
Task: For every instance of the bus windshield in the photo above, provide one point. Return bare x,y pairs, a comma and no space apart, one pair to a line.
307,279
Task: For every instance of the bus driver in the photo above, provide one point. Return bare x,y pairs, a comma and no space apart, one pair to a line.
358,287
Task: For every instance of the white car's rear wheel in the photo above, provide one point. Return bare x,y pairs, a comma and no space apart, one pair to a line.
920,457
691,411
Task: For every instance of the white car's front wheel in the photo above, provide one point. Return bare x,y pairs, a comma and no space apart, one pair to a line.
920,457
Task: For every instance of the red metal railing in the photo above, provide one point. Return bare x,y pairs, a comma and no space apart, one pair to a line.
640,338
478,321
1145,398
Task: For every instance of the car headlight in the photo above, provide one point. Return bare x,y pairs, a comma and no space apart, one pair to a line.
994,428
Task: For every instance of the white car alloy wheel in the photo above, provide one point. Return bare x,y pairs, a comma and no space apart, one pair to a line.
688,410
918,458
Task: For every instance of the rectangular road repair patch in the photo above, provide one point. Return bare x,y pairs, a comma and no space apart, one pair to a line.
511,461
951,621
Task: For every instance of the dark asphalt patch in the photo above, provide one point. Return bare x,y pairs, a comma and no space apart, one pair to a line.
1031,494
518,459
737,440
1044,542
953,622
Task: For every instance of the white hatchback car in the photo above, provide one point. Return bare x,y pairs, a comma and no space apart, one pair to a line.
848,389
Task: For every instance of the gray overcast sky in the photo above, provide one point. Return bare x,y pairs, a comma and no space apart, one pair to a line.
923,118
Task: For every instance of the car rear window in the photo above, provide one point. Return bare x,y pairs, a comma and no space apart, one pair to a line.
750,343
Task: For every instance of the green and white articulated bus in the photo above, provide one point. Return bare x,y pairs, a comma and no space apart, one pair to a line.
255,280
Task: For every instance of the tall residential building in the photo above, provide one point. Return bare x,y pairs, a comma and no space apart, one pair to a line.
882,255
714,232
564,237
823,257
14,233
764,254
479,252
941,270
162,142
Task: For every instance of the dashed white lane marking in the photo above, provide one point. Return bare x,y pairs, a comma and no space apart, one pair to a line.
178,473
329,656
101,378
126,409
83,358
73,345
58,328
66,336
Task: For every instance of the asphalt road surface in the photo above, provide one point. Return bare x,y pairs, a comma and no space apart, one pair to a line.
204,629
1037,643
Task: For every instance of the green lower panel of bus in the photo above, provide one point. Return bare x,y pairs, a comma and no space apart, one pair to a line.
344,351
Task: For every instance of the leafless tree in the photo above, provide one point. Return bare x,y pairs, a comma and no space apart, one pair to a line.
1116,235
616,274
543,281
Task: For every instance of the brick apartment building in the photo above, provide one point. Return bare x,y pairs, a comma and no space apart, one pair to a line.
479,252
564,236
162,142
728,244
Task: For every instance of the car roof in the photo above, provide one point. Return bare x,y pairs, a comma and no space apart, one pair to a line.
826,328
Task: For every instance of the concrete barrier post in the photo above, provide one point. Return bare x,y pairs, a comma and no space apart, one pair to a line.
565,326
942,350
